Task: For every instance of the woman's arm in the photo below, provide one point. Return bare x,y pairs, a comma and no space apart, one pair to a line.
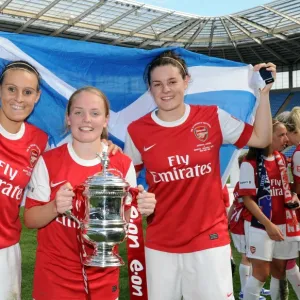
131,150
273,231
262,129
40,216
146,201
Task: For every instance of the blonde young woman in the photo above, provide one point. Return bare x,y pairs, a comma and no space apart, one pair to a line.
21,144
58,270
292,123
265,191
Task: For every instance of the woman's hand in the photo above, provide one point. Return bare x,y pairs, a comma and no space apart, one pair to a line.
270,67
146,202
63,198
274,232
295,202
112,148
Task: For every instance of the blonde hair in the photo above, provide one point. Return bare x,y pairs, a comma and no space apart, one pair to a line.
90,89
293,121
282,117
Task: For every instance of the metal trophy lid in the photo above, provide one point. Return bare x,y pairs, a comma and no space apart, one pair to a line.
106,177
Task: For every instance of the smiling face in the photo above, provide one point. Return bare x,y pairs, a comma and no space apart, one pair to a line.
167,88
18,93
87,117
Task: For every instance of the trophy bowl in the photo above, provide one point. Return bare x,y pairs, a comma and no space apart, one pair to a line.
105,223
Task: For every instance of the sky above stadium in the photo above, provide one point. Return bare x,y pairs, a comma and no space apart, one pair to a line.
206,7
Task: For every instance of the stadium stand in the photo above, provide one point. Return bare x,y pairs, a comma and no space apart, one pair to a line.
294,101
277,99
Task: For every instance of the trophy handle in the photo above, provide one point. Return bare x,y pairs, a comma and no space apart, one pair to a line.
79,206
69,214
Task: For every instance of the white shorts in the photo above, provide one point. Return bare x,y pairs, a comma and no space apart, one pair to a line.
239,242
260,246
201,275
10,273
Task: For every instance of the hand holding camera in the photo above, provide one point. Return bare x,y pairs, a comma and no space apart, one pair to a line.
268,74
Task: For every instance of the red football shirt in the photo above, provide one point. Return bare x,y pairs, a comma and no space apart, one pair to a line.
296,164
58,271
183,171
18,155
248,186
240,213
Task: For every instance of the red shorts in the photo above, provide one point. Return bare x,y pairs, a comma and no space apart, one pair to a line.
52,284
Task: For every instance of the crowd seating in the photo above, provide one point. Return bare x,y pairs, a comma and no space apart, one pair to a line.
277,99
295,101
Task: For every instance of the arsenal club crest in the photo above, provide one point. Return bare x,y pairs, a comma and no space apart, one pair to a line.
252,249
201,132
34,155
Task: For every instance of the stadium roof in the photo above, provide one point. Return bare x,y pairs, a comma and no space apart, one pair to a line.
263,33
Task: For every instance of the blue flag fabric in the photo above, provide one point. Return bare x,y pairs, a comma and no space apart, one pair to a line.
66,65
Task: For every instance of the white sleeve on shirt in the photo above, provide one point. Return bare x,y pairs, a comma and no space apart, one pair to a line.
131,150
131,179
247,178
38,188
231,127
296,164
131,176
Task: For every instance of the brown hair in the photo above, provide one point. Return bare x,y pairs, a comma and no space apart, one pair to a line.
21,65
252,153
91,89
241,158
164,59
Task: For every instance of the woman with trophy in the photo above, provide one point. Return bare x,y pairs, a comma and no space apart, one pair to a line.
21,144
179,145
58,271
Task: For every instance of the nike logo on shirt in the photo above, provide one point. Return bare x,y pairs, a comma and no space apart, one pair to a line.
56,184
148,148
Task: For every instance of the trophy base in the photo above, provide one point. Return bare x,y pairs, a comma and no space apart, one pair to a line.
104,260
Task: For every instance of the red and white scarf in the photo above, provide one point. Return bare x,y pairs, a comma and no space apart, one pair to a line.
135,244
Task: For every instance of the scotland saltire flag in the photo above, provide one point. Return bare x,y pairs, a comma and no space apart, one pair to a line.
66,65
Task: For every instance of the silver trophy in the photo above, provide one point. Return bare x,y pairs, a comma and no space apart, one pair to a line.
104,223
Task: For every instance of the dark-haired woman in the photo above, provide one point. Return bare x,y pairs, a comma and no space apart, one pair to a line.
187,243
21,144
271,237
